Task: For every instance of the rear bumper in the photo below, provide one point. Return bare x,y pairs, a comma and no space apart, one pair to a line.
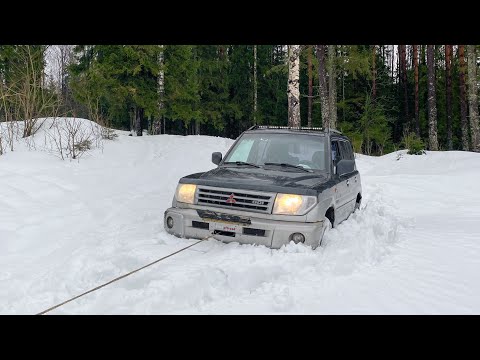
271,233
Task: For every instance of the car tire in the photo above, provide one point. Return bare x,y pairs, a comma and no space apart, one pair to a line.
327,226
357,205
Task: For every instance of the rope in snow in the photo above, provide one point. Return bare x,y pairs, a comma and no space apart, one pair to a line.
121,277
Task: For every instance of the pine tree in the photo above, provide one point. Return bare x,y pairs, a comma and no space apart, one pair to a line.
240,83
473,97
273,75
182,98
332,85
131,70
448,76
374,73
310,86
214,92
432,105
417,101
322,82
255,92
463,98
402,49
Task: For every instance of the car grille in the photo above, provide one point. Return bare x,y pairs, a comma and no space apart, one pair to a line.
235,199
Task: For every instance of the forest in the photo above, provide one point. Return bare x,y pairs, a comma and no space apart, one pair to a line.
384,97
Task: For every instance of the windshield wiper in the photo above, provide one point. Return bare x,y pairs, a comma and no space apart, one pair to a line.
288,165
241,163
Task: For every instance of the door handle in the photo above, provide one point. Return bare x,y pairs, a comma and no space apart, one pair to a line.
348,182
355,179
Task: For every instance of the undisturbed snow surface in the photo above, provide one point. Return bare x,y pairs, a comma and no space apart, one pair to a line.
68,226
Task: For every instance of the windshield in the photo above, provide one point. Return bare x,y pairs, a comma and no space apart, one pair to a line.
306,151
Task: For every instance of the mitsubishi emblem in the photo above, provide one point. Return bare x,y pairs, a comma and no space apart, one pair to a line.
231,199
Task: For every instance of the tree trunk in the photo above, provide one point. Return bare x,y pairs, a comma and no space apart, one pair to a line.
293,91
157,123
463,98
343,54
417,101
473,97
393,61
138,121
332,85
432,103
448,77
133,116
255,84
310,86
404,82
374,74
322,84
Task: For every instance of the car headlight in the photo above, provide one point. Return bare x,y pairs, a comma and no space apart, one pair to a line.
186,193
291,204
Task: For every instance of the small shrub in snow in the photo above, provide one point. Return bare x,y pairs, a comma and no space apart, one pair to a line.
72,137
413,143
108,134
84,145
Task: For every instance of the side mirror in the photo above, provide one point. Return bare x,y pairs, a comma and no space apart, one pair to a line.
216,157
345,166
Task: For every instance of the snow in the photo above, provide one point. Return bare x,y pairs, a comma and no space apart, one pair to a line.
68,226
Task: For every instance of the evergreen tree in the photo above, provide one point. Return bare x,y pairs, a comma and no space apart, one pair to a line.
463,98
214,90
182,85
432,101
473,97
322,81
118,81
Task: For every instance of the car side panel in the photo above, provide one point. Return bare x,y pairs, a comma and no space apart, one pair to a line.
352,189
342,197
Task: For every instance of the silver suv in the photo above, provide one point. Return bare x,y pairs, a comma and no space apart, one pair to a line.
274,185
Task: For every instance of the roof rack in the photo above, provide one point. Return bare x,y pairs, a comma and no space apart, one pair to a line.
254,127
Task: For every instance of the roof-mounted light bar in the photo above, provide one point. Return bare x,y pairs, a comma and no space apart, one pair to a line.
292,128
288,127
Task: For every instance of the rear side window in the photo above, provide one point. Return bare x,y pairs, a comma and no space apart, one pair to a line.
346,150
350,151
335,151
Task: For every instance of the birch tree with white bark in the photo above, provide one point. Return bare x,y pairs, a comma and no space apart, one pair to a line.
293,91
157,123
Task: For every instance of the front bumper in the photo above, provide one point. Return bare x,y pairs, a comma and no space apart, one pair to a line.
272,233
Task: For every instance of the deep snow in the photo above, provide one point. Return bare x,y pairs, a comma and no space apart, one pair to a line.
67,226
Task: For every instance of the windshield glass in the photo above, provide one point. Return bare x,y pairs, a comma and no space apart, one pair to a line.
307,151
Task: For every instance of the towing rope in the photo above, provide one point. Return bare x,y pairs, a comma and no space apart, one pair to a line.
121,277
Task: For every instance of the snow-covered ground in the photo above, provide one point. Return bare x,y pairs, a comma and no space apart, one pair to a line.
67,226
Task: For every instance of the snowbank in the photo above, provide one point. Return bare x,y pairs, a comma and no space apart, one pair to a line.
67,226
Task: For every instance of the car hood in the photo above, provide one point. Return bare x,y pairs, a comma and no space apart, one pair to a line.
302,183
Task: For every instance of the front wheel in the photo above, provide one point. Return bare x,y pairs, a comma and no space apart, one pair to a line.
327,226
